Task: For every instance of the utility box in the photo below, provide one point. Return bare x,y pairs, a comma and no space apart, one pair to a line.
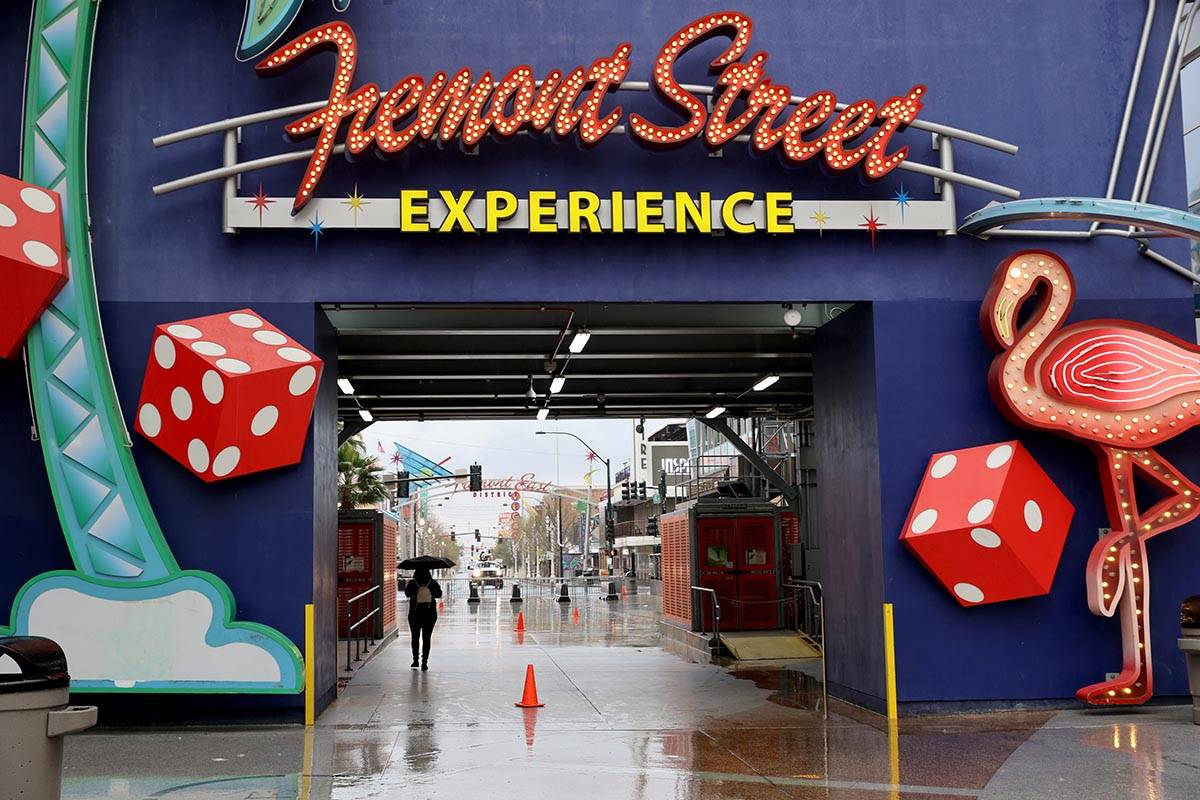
366,558
732,546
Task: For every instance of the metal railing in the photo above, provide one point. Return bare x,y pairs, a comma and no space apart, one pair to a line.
716,640
361,638
816,593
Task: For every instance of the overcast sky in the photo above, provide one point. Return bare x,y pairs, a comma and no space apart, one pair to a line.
507,448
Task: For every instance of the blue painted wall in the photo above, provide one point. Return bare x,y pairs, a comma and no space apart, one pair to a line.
846,438
1014,70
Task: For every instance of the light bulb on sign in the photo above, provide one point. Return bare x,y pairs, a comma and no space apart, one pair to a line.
366,415
345,385
556,384
543,413
715,412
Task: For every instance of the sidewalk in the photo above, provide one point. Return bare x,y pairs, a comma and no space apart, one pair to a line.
625,719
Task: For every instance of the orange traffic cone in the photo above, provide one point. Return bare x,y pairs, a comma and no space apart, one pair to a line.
575,616
529,698
520,622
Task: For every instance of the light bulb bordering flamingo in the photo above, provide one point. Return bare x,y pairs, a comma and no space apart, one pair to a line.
1122,388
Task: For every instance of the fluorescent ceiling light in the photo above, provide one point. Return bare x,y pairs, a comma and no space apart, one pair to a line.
345,385
543,413
366,415
766,383
580,341
556,384
715,412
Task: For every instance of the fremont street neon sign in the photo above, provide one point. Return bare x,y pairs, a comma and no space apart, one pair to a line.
459,107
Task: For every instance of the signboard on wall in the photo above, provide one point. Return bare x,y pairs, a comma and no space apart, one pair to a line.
745,104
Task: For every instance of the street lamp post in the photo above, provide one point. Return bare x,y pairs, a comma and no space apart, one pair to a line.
608,474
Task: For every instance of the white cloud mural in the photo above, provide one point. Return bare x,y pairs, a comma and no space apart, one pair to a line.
156,639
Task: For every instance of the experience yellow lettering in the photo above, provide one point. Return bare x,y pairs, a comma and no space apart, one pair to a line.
586,212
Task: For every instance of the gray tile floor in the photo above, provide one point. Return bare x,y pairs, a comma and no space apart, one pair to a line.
625,719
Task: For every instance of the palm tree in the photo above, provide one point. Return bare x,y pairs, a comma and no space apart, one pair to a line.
359,483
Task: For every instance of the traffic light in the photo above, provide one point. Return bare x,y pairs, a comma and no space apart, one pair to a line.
402,478
478,538
652,526
625,493
610,531
662,487
476,478
642,490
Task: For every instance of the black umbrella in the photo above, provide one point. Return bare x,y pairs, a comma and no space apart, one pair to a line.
428,562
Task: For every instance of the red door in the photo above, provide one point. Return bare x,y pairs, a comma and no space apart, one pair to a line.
758,580
716,540
738,560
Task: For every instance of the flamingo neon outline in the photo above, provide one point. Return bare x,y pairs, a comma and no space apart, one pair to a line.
1122,388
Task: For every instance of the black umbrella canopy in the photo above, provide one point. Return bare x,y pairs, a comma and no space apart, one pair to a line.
428,562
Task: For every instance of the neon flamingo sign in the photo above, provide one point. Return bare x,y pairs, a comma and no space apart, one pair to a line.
465,109
1123,389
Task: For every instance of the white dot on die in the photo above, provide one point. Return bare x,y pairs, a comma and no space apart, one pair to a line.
197,455
38,200
208,348
999,456
293,354
213,386
302,380
234,365
943,466
1033,515
226,461
245,320
264,420
40,253
164,352
980,511
270,337
150,420
924,521
181,403
7,217
968,592
985,538
183,331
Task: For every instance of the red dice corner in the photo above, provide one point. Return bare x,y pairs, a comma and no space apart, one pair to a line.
33,258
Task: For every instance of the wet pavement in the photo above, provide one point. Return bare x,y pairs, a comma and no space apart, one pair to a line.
625,719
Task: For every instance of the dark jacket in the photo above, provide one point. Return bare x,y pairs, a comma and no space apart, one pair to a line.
410,591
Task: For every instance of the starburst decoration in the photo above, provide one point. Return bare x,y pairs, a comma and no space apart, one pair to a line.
901,199
820,217
260,202
356,202
591,456
872,225
316,228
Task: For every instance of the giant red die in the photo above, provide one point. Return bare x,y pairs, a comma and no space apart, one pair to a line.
33,258
988,523
228,394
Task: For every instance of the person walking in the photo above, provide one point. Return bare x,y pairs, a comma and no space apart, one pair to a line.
422,592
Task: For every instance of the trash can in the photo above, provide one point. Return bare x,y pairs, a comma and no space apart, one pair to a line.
1189,623
34,717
